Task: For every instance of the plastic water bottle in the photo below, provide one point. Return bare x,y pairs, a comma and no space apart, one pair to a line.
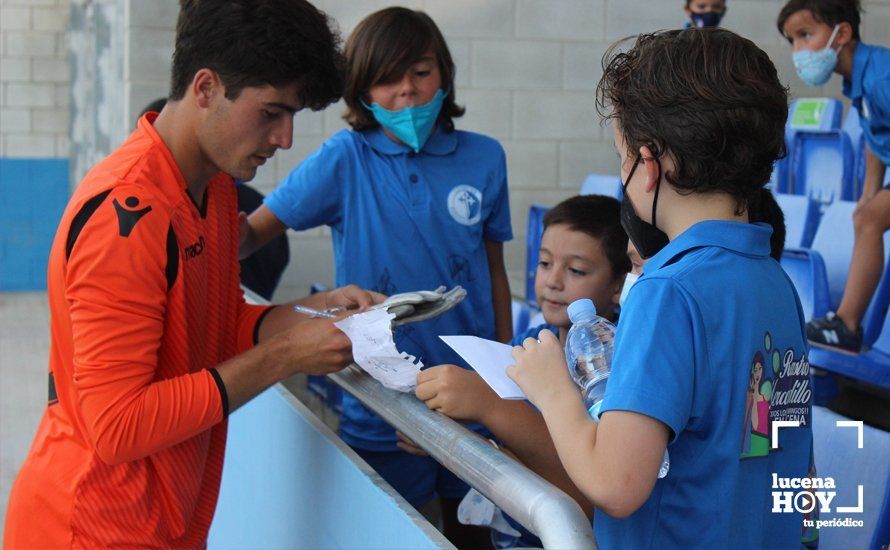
589,347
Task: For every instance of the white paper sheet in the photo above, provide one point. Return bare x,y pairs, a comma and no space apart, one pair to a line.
375,352
490,359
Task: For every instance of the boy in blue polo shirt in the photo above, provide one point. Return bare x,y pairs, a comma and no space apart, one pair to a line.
412,204
711,351
824,35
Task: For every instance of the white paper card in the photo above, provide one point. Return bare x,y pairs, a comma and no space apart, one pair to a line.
490,359
375,352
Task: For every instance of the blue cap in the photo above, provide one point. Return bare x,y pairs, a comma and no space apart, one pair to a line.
581,309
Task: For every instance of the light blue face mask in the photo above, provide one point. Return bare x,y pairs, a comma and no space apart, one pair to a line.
629,280
814,67
411,125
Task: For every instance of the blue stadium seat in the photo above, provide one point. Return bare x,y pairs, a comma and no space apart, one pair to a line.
814,114
602,184
834,241
801,219
533,234
822,166
837,455
779,180
819,114
806,270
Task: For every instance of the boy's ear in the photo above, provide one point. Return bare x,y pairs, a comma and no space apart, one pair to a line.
650,165
844,34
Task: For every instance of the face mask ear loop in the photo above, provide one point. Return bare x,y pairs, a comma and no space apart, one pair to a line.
657,189
831,38
631,174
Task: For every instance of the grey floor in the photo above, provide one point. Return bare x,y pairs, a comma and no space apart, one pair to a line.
24,347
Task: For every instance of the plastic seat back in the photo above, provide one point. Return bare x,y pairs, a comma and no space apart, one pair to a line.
838,456
823,166
801,219
806,270
834,241
602,184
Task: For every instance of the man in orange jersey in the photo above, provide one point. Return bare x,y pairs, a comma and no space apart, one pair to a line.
152,342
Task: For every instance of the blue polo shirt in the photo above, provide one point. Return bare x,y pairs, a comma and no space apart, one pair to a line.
402,221
712,343
869,92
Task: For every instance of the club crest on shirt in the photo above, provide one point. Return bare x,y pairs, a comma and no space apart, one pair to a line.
465,204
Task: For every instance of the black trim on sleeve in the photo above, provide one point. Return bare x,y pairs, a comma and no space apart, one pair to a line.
172,258
223,394
256,326
80,220
52,397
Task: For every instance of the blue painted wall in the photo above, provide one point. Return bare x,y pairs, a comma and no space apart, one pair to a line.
290,482
33,195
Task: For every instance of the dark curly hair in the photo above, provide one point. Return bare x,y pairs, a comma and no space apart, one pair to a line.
599,217
830,12
258,42
381,48
709,98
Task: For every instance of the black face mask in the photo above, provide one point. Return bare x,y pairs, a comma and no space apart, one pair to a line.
647,238
707,19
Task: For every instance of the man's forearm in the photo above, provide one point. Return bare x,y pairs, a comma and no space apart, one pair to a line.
247,375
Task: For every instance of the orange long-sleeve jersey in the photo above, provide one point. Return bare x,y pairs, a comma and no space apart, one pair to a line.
145,299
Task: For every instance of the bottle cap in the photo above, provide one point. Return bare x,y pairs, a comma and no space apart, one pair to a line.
581,309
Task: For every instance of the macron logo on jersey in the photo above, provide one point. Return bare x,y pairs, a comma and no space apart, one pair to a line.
127,218
194,250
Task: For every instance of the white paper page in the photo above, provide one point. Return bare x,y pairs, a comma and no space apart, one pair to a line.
375,352
490,359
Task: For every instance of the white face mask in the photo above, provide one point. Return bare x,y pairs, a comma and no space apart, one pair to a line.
629,281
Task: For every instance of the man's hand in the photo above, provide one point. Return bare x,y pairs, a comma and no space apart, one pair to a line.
351,297
540,370
315,347
455,392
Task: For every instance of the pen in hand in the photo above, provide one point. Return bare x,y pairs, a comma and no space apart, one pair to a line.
314,312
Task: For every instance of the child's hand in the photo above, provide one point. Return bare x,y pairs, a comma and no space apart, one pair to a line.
408,445
455,392
540,370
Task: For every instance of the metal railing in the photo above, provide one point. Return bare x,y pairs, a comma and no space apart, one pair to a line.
532,501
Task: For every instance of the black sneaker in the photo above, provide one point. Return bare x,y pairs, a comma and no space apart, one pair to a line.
830,332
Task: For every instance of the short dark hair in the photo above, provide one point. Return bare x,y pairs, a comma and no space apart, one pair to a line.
709,98
764,208
597,216
258,42
830,12
381,48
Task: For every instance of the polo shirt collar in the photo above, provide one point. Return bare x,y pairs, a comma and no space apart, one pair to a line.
750,239
440,143
853,88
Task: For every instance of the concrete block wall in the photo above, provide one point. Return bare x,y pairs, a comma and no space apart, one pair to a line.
34,77
34,130
526,71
